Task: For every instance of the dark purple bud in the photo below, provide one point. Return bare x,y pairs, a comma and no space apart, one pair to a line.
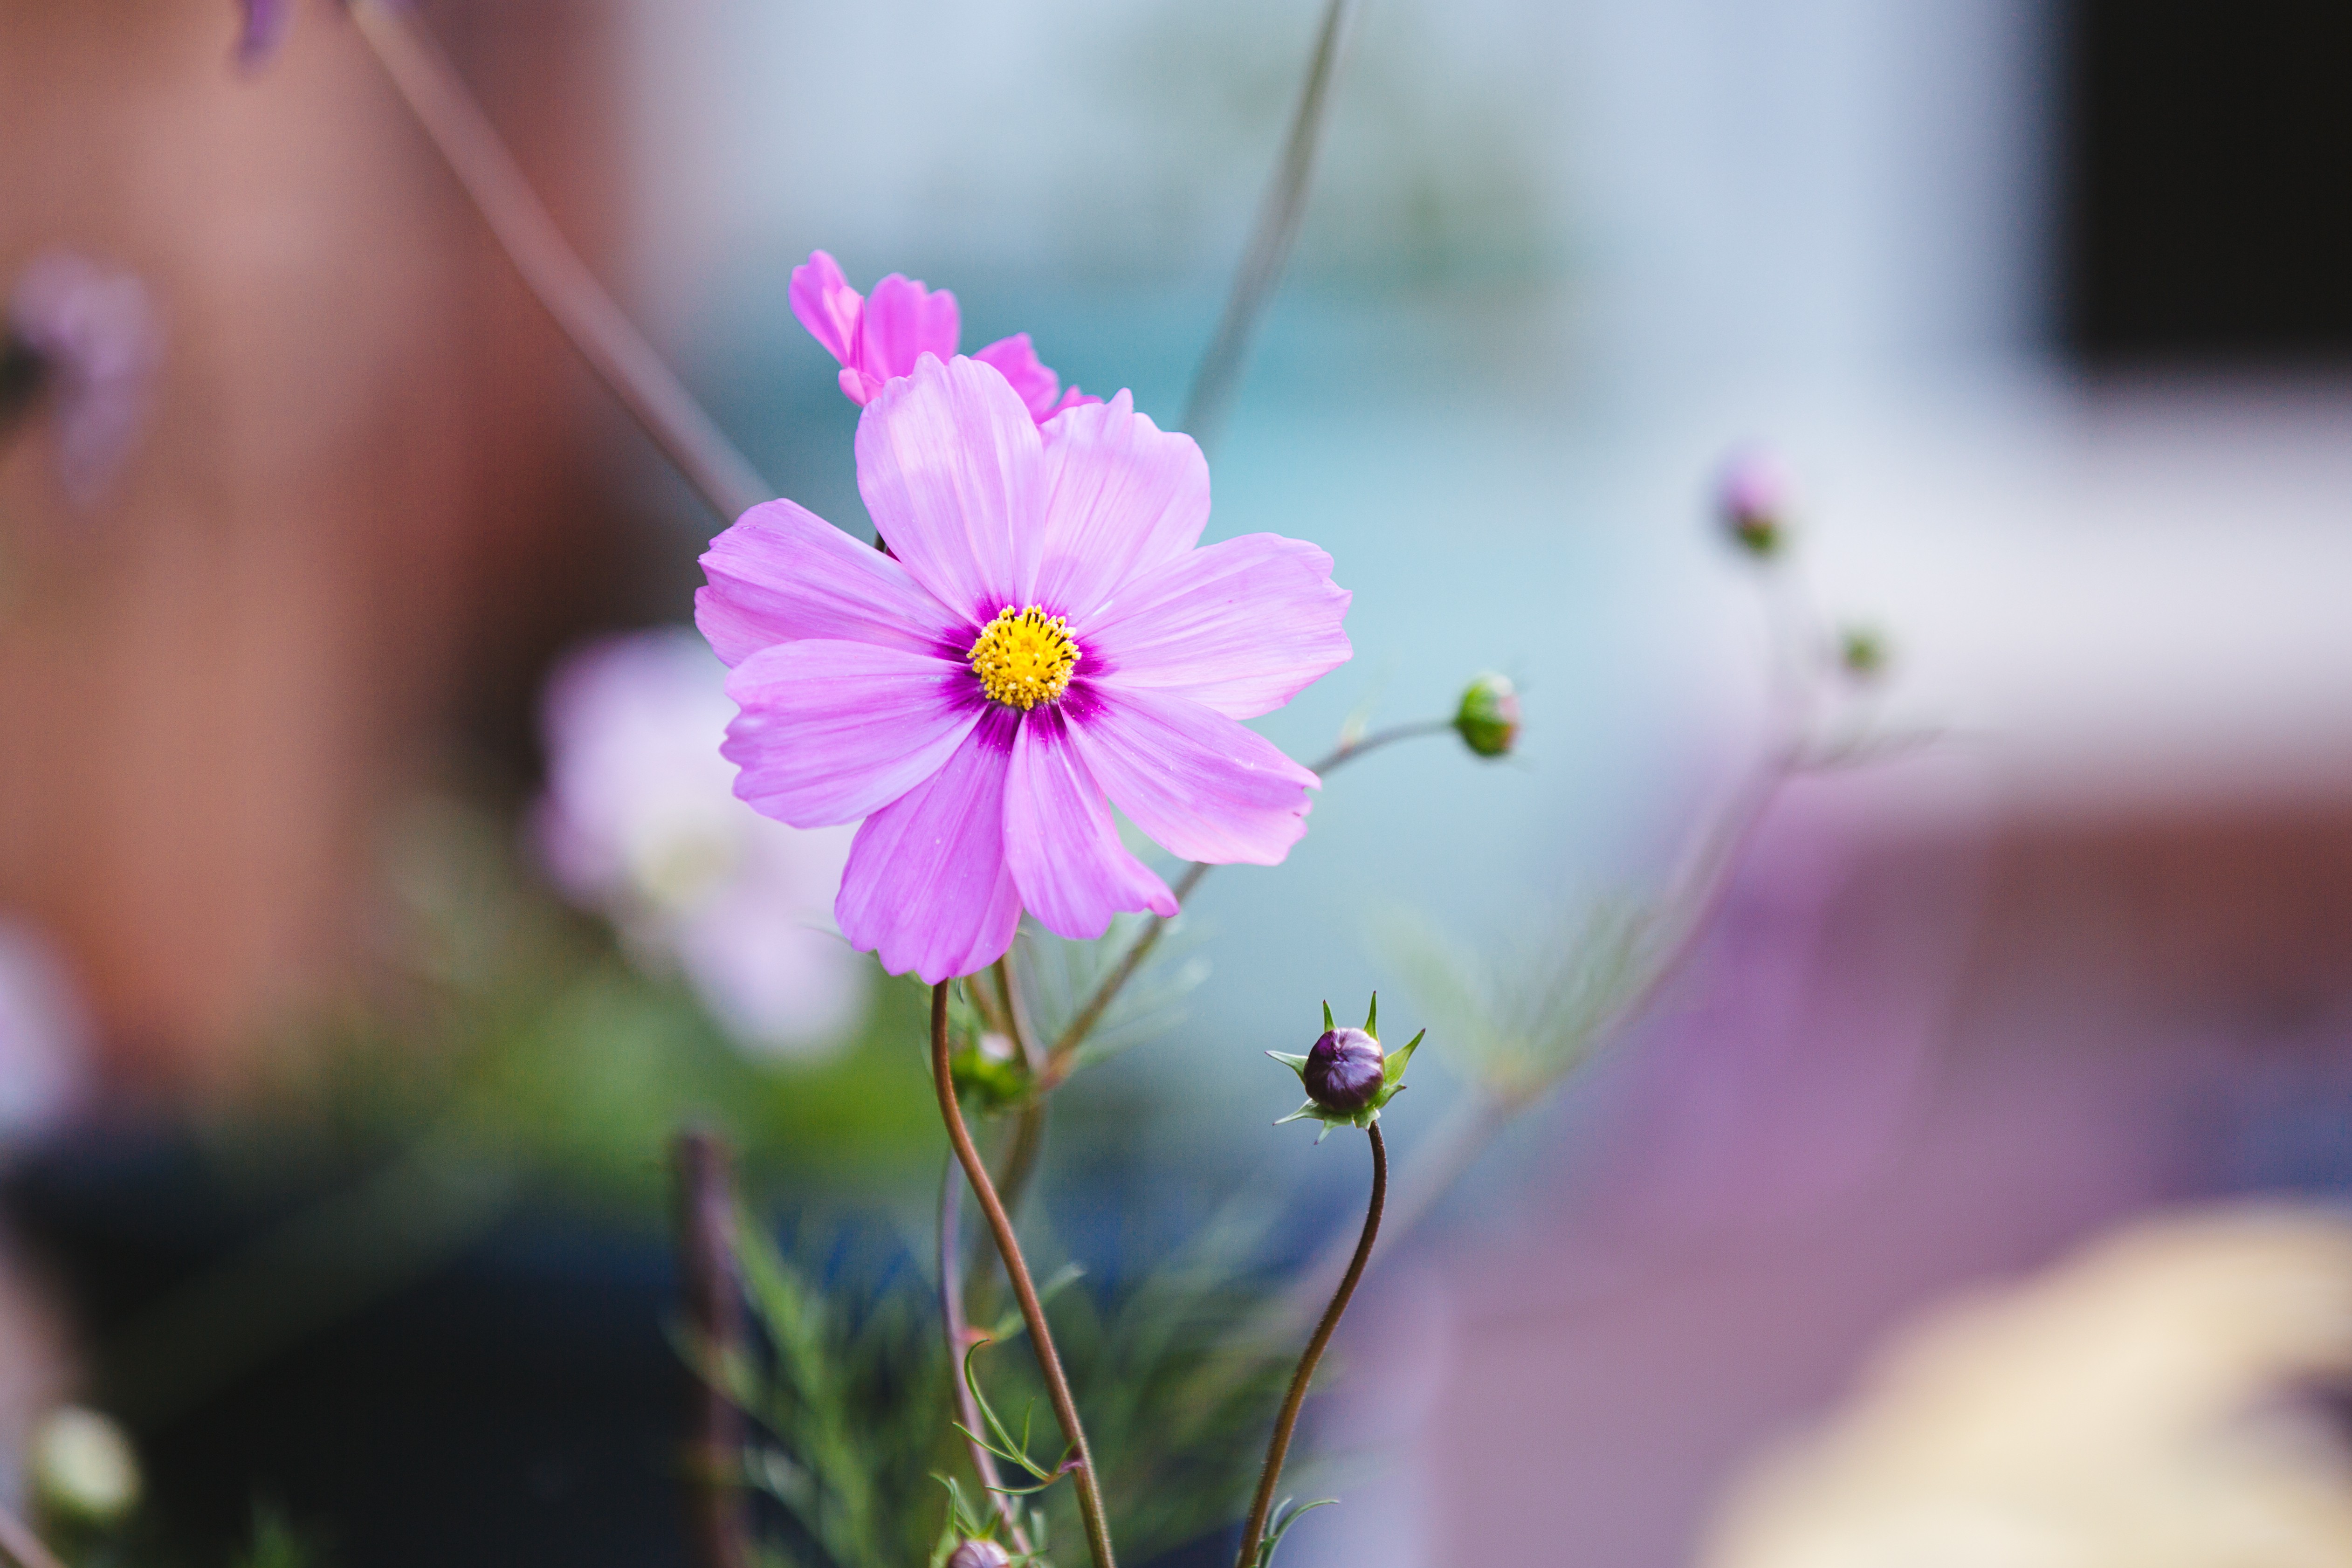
971,1553
1343,1070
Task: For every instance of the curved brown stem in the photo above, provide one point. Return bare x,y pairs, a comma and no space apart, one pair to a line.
553,270
951,1317
1278,1449
1033,1311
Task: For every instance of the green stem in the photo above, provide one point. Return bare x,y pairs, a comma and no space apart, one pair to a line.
1278,1449
1033,1311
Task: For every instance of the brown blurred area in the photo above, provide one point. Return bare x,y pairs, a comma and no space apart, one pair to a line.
374,492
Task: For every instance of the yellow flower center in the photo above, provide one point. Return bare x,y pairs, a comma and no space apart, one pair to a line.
1024,658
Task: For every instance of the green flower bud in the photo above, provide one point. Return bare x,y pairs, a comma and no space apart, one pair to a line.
1488,718
83,1469
1861,652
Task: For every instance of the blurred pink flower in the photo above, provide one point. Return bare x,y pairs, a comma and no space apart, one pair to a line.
264,29
640,822
95,341
878,338
1048,640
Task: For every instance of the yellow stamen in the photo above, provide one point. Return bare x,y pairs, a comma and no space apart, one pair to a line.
1024,658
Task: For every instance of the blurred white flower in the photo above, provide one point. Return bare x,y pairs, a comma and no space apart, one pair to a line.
640,822
44,1034
83,1467
2170,1399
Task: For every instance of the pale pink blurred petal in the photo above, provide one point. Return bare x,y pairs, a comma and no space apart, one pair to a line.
1073,872
640,822
825,303
1199,784
904,322
950,464
784,573
832,731
1240,627
96,331
928,888
1122,497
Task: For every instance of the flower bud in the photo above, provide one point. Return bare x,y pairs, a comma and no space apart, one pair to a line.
1861,652
1753,504
1488,718
83,1469
973,1552
1343,1070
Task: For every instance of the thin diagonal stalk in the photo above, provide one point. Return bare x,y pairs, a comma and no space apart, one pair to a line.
1270,244
712,1288
553,270
1033,1312
22,1547
1059,1060
1277,1448
952,1316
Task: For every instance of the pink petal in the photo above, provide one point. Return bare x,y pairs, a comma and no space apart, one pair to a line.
948,462
857,386
827,305
782,573
927,886
1071,399
1239,627
1123,497
1015,358
1202,785
1073,872
905,321
833,730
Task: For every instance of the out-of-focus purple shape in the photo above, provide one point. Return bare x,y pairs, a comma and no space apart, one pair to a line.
640,822
265,26
95,334
1752,502
43,1033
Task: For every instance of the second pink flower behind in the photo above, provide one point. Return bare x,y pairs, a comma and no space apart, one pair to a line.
1049,639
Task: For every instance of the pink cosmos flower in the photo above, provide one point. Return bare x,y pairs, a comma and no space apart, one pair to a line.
1048,641
879,339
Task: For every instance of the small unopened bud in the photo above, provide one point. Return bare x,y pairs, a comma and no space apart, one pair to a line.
1753,504
970,1552
83,1469
1488,718
1861,652
1343,1070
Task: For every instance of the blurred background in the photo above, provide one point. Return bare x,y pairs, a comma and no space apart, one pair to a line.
346,1009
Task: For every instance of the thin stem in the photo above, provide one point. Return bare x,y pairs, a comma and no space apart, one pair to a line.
714,1308
951,1317
1348,751
1270,244
553,270
1060,1059
1279,1447
21,1546
1033,1312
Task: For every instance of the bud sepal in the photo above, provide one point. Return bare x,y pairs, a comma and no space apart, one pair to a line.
1347,1076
